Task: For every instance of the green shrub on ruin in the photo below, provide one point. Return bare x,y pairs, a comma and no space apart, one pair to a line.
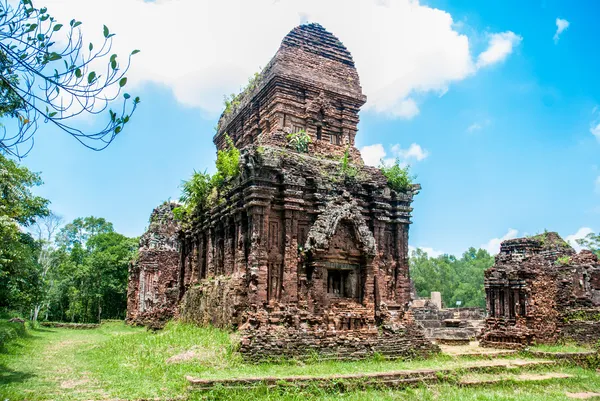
228,161
299,141
203,190
194,193
232,101
399,178
347,170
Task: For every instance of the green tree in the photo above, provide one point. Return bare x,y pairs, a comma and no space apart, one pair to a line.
457,279
19,207
43,231
108,261
82,229
591,242
89,281
46,75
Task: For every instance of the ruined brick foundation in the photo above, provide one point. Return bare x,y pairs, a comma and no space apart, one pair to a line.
300,255
541,291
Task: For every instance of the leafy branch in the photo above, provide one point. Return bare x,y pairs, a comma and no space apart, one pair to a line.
46,75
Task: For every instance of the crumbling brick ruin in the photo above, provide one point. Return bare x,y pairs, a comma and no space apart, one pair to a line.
451,326
541,291
153,292
302,256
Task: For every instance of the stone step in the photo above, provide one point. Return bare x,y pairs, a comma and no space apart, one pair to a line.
518,378
389,378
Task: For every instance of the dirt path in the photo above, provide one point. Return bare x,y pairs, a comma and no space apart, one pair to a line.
51,364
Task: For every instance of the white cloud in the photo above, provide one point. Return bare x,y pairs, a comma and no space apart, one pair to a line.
414,151
493,245
500,46
203,49
432,253
561,25
598,184
374,154
595,130
474,127
479,125
581,233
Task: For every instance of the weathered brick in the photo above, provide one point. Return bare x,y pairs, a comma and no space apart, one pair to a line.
301,257
540,291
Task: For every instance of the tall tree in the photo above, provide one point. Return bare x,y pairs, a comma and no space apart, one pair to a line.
89,279
82,229
591,242
19,207
43,230
46,74
459,280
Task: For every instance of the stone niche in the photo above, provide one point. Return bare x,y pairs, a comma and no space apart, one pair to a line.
300,257
541,291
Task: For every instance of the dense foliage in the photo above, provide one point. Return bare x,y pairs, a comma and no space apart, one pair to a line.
399,178
347,170
89,279
79,274
203,190
19,208
46,75
299,141
457,279
591,242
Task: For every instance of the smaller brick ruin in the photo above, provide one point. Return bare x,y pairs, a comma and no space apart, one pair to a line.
152,292
541,291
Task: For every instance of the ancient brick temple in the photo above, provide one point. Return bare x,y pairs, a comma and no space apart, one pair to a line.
300,255
153,290
541,291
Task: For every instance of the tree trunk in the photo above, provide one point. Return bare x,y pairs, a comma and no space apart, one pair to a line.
36,312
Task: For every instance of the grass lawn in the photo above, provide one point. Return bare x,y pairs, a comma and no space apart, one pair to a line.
569,347
120,362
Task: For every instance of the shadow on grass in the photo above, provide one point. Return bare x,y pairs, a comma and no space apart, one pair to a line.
8,376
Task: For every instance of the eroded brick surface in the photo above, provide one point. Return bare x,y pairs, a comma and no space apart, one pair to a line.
301,256
152,292
541,291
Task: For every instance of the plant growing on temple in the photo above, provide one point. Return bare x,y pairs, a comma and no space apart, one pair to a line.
232,101
228,164
346,168
46,74
194,194
299,141
201,191
399,178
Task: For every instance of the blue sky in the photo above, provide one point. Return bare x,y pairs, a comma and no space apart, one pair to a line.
496,117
